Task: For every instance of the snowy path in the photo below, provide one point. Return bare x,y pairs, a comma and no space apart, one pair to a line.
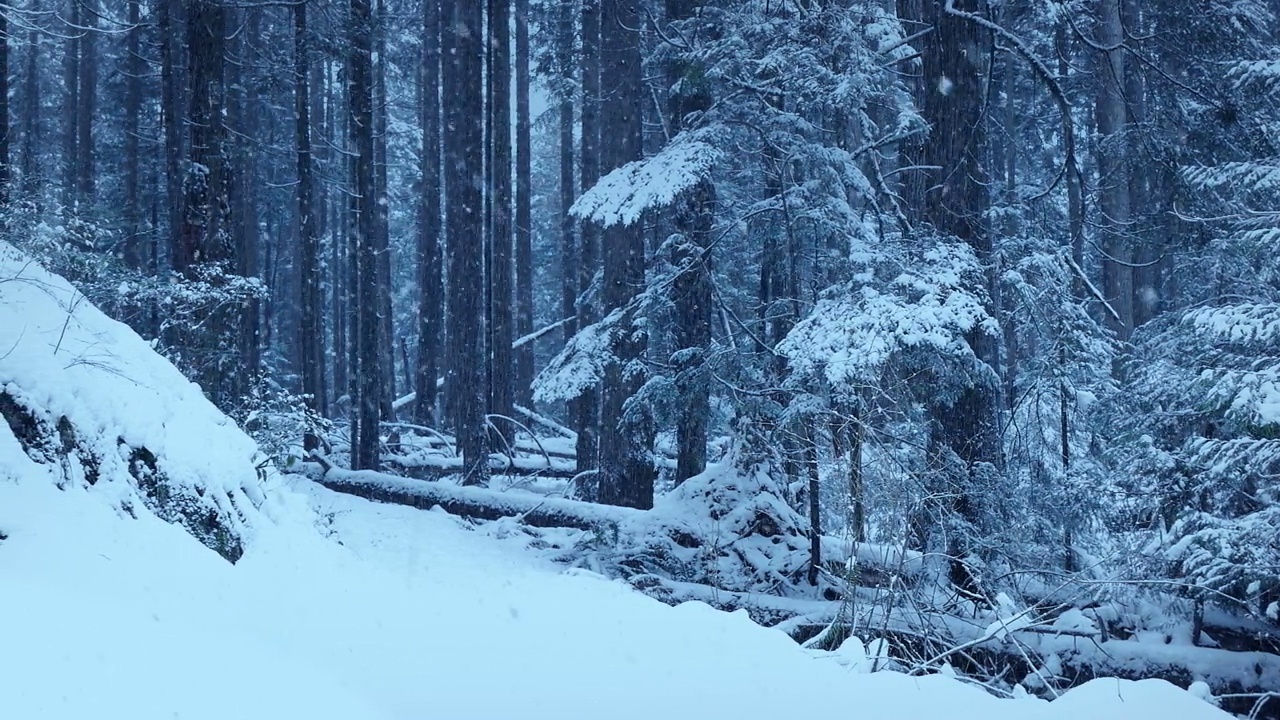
414,617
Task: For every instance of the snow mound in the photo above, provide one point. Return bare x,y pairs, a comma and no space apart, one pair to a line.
725,528
87,402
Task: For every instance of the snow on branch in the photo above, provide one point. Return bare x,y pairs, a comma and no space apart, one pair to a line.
625,194
581,364
854,331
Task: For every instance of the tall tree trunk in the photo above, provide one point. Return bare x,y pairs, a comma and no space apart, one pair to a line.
6,172
692,214
463,84
430,277
956,202
1143,243
338,236
133,254
311,329
626,464
243,114
501,317
568,241
71,104
87,101
586,407
368,379
31,115
204,233
1113,183
171,107
524,210
386,319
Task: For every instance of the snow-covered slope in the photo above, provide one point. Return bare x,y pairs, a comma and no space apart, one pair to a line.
88,402
339,608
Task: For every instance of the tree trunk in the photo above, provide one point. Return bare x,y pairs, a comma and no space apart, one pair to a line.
586,407
524,210
692,214
382,236
1144,235
311,329
368,379
243,115
87,101
133,255
204,233
71,105
626,466
501,319
6,173
956,202
31,116
814,496
430,278
568,247
1113,183
477,503
463,84
171,107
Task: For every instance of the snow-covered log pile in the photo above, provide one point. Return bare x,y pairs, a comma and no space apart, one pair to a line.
89,403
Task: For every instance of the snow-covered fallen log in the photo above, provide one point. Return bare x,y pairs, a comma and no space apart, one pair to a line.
472,502
439,466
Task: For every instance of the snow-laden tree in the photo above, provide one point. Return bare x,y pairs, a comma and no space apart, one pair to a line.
1204,442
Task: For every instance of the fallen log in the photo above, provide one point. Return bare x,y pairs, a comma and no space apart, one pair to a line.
473,502
439,468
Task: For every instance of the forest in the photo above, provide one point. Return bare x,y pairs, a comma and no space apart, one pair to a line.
950,322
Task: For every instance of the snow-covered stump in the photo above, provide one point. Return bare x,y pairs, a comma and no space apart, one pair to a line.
87,403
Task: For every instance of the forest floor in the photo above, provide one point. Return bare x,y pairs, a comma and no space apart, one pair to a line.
336,607
343,608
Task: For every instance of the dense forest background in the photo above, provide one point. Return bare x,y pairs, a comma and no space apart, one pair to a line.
990,286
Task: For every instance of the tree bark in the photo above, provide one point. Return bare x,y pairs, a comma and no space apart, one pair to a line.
692,214
71,105
586,407
956,202
568,241
311,329
170,104
132,127
501,319
1113,182
463,84
87,101
430,279
368,379
382,235
6,172
626,466
31,116
204,233
524,210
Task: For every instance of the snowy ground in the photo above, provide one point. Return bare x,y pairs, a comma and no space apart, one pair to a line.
412,616
340,608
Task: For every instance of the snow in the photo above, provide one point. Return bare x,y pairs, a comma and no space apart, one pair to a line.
625,194
410,616
342,608
61,359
